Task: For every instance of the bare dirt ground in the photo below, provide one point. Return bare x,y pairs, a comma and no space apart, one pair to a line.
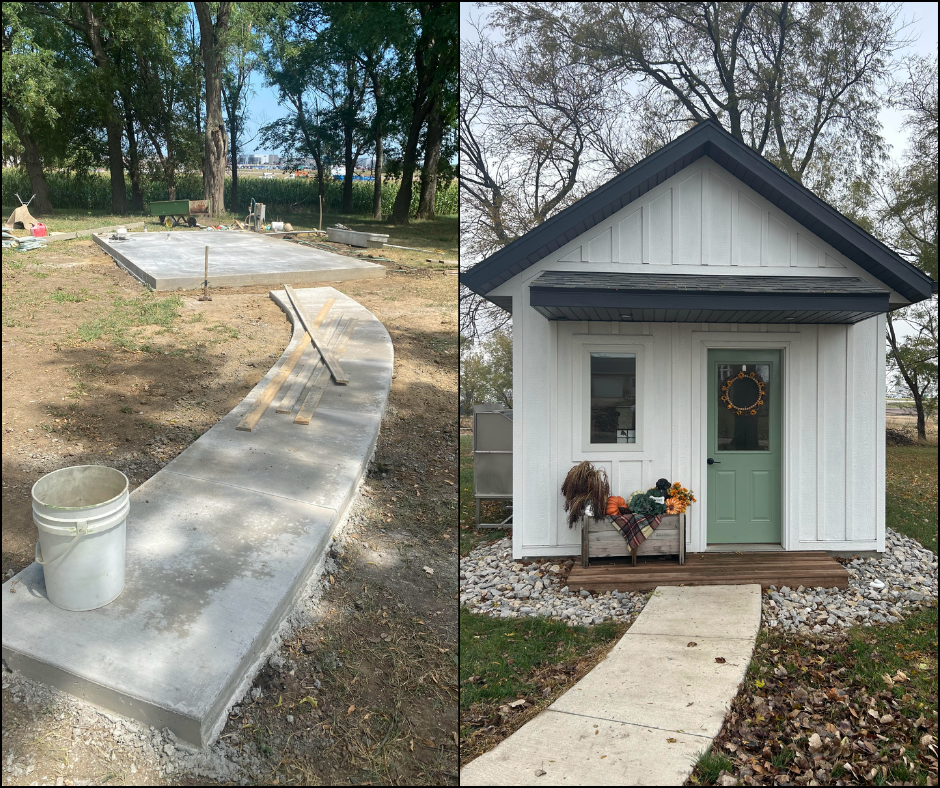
96,371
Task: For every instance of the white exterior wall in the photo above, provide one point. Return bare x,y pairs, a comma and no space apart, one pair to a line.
702,220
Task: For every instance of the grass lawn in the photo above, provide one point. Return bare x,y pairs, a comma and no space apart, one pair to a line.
911,497
470,535
527,662
860,709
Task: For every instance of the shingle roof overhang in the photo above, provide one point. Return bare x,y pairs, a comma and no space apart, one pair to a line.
592,295
706,139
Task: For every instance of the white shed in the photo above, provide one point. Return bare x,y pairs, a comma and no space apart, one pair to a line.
704,318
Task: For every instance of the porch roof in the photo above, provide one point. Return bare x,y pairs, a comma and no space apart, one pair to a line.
712,298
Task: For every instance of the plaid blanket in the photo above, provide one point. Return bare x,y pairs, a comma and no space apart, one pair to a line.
636,528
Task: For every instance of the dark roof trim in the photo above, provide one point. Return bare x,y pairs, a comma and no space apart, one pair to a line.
706,139
588,295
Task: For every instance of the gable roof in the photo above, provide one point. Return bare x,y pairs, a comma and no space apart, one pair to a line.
708,138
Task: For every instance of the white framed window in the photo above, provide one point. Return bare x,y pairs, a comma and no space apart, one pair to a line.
611,397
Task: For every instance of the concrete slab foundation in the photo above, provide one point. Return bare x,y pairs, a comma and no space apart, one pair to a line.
218,545
168,260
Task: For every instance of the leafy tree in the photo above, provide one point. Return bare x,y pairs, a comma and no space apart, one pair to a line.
243,60
380,35
212,36
914,360
102,27
295,64
443,118
909,223
436,61
474,383
161,95
30,82
485,371
608,83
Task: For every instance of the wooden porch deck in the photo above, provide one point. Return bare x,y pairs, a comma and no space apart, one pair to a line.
707,569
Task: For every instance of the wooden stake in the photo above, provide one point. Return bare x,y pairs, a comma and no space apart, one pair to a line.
331,362
322,381
205,285
248,423
321,212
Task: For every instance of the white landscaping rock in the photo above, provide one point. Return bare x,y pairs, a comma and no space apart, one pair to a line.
493,584
906,574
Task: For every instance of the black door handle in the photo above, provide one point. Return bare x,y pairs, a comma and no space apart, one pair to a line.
713,462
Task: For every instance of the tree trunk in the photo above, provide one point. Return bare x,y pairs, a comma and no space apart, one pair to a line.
402,206
115,131
137,194
234,179
377,175
170,172
321,185
41,204
432,155
377,168
911,382
422,105
216,141
921,418
350,167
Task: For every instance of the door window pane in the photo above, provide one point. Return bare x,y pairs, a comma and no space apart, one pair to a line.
613,398
743,407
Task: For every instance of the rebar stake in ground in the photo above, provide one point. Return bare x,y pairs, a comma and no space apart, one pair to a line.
205,285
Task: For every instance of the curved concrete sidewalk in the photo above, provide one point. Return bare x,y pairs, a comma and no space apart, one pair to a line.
219,542
643,715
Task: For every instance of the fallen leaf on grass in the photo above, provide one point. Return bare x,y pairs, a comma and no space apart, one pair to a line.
516,703
815,743
350,710
311,701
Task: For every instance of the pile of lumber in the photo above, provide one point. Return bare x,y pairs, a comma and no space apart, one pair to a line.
309,367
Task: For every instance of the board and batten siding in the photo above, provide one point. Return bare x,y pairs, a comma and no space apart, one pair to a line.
702,220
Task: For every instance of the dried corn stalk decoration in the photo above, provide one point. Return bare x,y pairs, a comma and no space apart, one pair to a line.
585,485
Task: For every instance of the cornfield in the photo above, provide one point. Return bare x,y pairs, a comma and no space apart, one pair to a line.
295,195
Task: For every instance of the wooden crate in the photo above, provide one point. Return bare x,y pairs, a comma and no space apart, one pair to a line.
602,539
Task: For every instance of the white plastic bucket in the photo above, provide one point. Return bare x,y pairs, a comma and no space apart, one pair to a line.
81,514
277,226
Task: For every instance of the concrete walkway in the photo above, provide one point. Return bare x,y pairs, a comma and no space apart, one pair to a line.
643,715
219,542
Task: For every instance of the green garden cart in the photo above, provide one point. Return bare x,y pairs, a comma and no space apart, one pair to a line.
173,213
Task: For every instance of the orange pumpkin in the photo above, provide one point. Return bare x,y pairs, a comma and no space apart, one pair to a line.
614,503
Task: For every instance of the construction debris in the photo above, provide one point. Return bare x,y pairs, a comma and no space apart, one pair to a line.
27,244
21,218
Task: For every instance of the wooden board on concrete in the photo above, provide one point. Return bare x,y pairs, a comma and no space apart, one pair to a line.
248,423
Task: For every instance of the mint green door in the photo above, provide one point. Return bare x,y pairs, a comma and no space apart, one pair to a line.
744,451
